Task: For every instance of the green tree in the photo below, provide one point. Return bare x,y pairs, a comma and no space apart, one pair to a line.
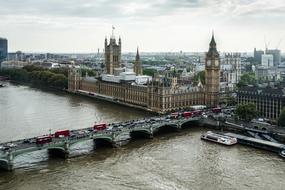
150,62
281,120
200,75
247,79
39,76
62,70
90,72
149,72
58,81
45,75
31,68
246,111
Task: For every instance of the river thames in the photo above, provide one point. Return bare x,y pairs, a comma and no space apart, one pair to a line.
171,161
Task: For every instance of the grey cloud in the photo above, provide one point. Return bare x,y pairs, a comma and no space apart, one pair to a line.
57,8
146,8
91,8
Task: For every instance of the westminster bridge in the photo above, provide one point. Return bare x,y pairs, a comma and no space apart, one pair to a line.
117,134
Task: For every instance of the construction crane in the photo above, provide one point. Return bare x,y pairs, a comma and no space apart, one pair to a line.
266,44
279,43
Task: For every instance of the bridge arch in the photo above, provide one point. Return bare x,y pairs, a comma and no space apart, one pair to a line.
100,142
5,165
166,129
138,134
60,152
187,124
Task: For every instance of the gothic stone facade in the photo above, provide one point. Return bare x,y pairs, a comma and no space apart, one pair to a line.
112,54
155,96
212,75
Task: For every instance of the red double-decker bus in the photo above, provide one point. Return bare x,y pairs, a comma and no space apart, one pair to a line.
62,133
100,127
187,114
44,139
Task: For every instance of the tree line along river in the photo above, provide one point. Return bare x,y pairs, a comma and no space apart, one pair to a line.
170,161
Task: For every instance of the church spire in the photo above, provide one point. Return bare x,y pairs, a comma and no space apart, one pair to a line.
137,55
137,65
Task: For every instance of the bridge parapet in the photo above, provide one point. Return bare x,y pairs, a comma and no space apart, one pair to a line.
113,136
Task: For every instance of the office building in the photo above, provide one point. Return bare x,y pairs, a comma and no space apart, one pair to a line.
3,49
267,60
268,101
257,55
276,53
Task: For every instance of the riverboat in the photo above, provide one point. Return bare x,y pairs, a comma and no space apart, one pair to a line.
218,138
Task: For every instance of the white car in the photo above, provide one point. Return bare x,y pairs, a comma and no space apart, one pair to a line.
11,145
4,147
81,132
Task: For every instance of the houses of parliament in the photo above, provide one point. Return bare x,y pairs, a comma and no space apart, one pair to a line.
160,94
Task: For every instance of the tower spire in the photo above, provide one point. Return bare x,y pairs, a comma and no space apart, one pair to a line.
137,55
212,47
213,43
137,65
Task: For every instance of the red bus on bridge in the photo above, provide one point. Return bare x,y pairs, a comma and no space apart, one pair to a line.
44,139
187,114
100,127
62,133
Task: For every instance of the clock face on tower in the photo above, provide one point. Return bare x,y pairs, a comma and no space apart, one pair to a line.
209,63
216,63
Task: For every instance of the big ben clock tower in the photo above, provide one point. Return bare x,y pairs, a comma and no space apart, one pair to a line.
212,75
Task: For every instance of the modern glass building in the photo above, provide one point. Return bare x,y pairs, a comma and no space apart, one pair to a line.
3,49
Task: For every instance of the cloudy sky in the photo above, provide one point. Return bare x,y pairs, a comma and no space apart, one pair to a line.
153,25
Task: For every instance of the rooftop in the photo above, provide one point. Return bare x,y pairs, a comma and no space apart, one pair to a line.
263,90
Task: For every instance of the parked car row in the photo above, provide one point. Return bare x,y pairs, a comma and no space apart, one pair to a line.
7,146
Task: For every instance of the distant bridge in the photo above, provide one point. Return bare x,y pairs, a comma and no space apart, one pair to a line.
113,138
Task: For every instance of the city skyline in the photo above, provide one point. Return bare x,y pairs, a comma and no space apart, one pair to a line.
157,26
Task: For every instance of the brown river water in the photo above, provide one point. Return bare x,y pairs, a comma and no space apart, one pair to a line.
170,161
